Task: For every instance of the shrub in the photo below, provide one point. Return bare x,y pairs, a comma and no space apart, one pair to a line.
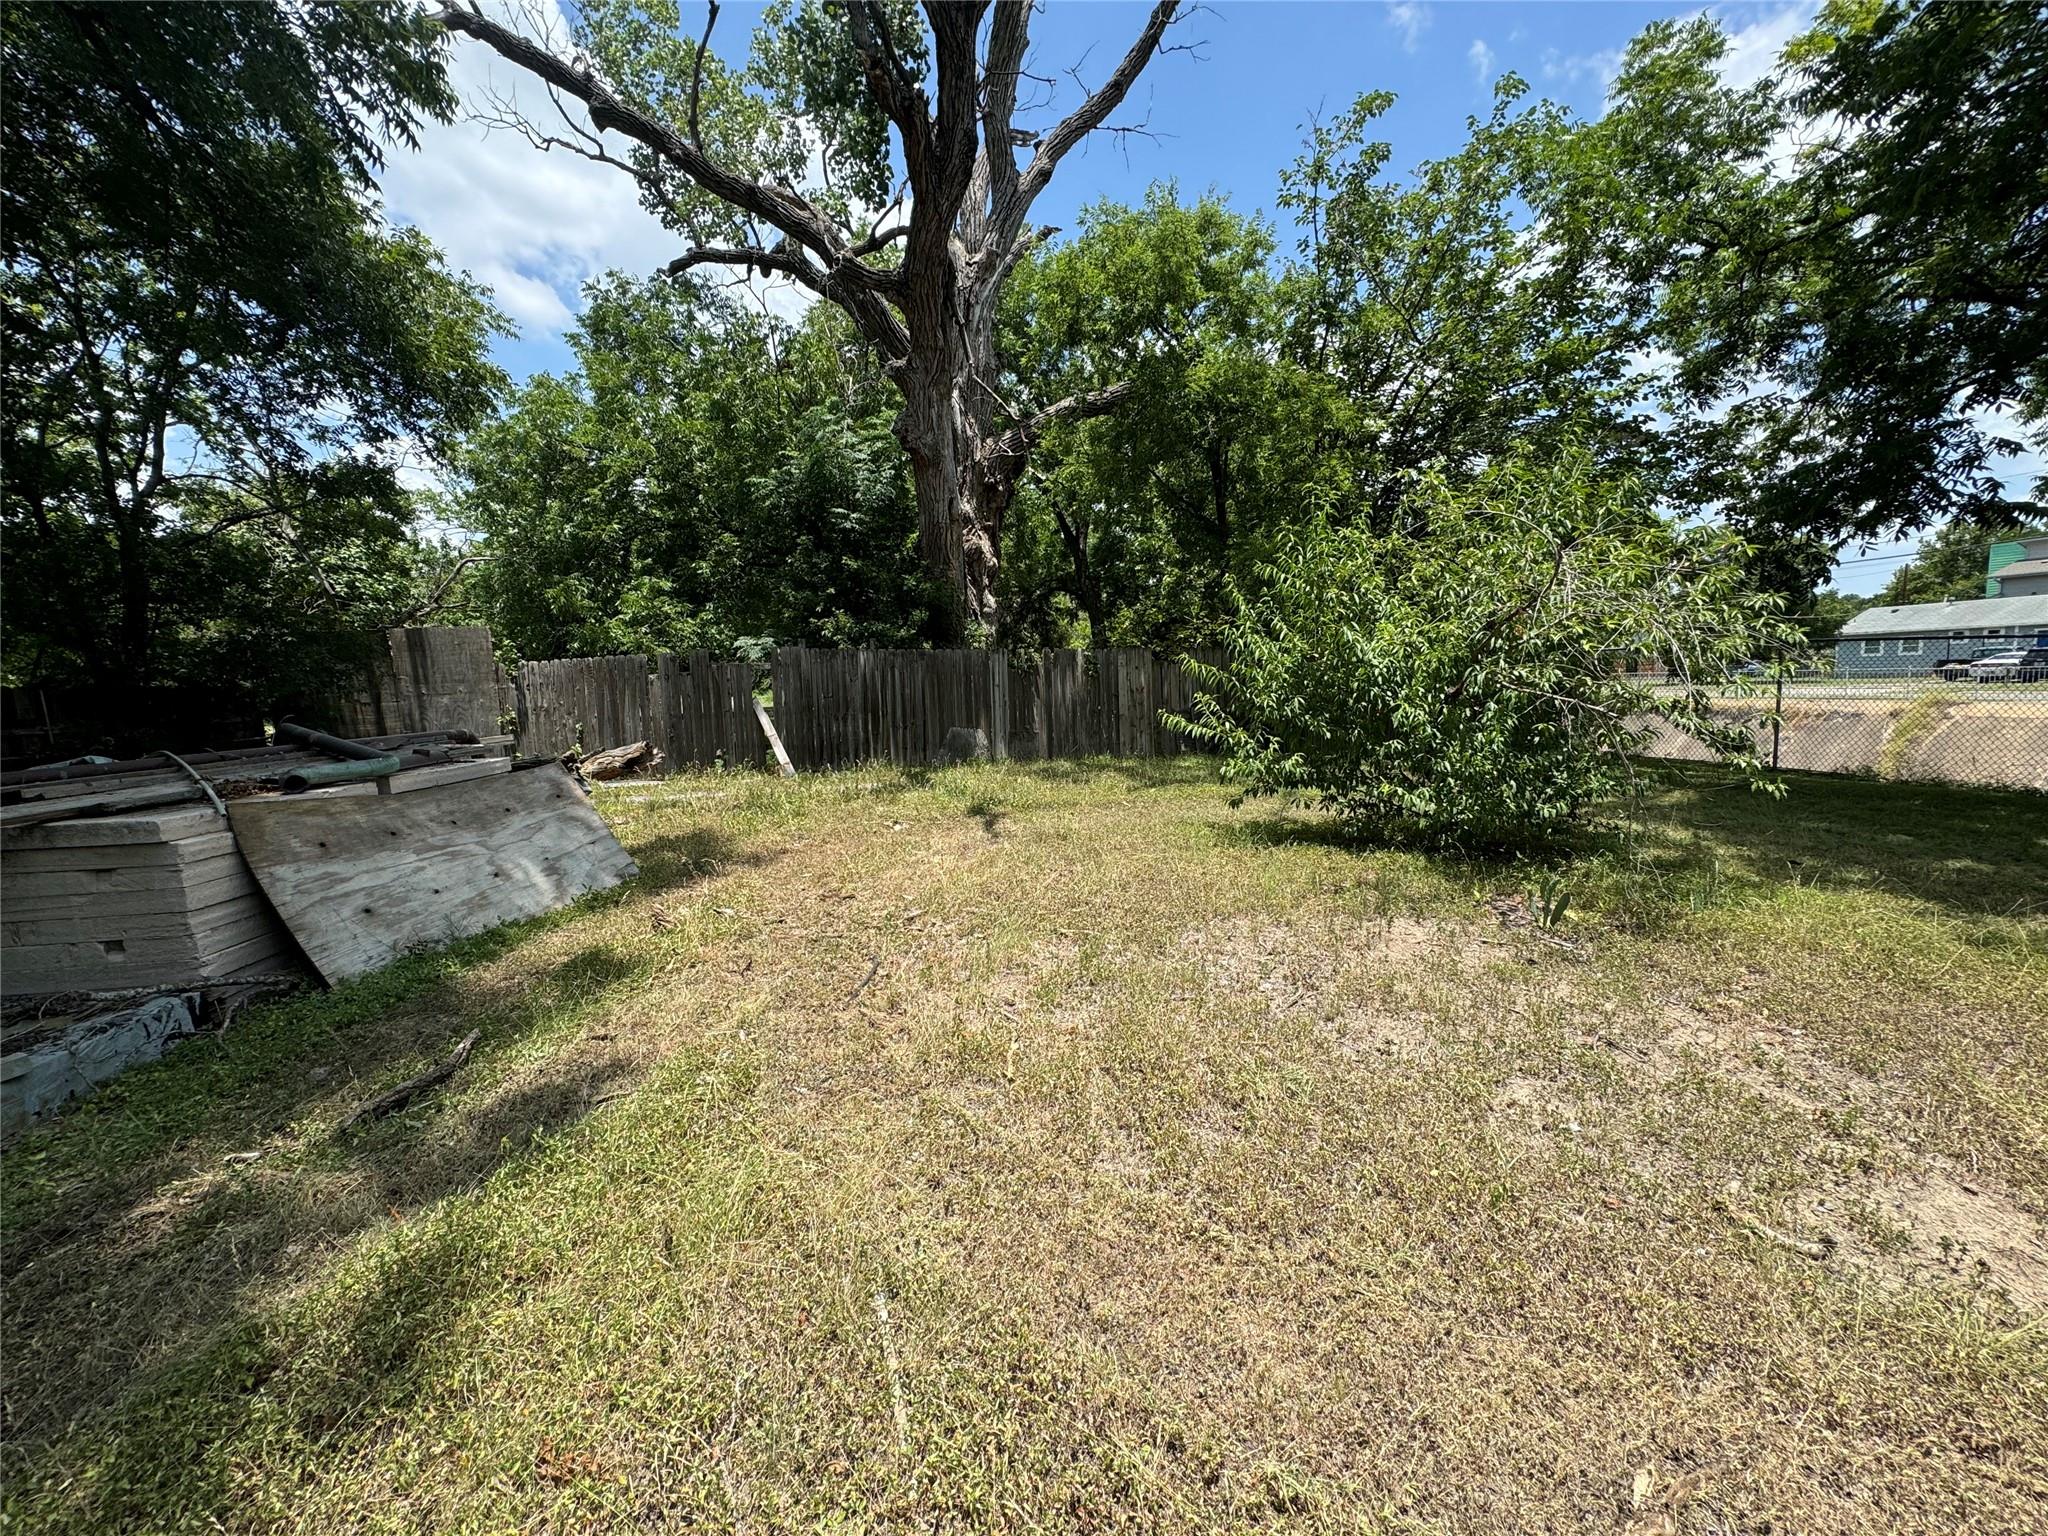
1461,681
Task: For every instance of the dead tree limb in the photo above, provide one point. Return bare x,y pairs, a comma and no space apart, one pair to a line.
391,1103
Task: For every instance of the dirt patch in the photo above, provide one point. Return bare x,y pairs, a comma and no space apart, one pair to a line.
1367,1032
1331,972
1775,1061
1932,1222
1283,962
1022,976
1526,1106
1909,1216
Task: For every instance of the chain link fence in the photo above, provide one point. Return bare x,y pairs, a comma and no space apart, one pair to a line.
1964,708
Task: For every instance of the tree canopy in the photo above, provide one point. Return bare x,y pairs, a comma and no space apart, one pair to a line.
218,361
708,477
1848,259
1807,309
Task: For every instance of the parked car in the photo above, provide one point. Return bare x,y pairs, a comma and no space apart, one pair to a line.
1954,670
2030,666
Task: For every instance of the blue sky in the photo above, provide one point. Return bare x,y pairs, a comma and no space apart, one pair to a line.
536,226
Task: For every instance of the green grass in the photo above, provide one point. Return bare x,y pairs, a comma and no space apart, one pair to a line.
1176,1168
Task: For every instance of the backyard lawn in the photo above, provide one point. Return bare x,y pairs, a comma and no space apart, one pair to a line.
1062,1148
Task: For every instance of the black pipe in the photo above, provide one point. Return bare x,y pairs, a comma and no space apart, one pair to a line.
333,746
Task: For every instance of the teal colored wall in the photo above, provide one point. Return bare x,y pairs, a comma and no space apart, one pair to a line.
2000,557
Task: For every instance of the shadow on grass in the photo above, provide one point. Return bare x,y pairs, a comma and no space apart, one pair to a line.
1178,772
158,1254
1134,772
1697,831
184,1440
1977,852
314,1378
697,853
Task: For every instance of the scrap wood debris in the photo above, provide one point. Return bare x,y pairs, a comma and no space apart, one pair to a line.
69,791
617,762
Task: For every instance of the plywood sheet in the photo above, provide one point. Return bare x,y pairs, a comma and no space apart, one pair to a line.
361,882
148,828
413,779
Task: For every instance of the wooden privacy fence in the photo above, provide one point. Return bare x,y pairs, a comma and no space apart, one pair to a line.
438,677
833,708
836,708
696,710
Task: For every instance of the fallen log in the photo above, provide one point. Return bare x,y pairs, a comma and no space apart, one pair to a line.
391,1103
614,762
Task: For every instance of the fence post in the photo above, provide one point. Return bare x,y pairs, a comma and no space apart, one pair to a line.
1777,721
999,705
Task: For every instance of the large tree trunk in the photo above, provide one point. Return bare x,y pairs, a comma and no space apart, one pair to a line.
931,316
964,468
961,502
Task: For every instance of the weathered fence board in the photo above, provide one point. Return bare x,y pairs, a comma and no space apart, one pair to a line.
836,708
427,678
696,710
700,712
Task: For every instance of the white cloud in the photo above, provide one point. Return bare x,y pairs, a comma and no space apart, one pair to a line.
1753,53
535,225
1482,59
1577,68
1411,19
1753,49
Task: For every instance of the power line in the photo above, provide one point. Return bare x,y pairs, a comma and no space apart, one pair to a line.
1912,554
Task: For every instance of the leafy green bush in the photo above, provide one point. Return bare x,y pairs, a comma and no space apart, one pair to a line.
1464,680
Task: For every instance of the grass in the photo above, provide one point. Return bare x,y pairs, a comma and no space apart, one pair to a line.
1058,1148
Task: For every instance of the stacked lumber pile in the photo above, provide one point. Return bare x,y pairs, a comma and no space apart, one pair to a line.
37,795
127,876
122,902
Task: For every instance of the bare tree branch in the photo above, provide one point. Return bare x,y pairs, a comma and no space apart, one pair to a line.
995,171
1082,120
429,605
1094,402
697,74
950,150
1020,439
889,78
879,241
856,287
784,261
